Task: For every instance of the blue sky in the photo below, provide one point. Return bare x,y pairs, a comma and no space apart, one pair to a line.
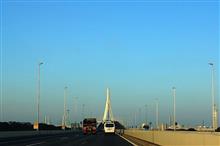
140,50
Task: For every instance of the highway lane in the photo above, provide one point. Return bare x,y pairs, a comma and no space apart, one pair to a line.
27,140
70,139
101,140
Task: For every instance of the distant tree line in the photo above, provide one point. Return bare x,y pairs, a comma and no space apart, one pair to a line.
25,126
15,126
49,127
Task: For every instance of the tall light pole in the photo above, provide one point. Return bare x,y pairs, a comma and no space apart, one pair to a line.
64,108
135,119
213,96
83,110
146,113
139,116
174,108
75,108
68,118
157,114
38,97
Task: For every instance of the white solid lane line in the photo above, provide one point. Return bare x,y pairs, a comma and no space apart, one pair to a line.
127,140
35,144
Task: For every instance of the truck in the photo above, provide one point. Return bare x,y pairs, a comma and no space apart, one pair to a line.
89,126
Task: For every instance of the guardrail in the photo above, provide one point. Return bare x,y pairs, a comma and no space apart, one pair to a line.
177,138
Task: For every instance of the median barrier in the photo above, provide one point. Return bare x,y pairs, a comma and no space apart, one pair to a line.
177,138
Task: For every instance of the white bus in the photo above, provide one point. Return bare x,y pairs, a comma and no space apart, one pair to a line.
109,127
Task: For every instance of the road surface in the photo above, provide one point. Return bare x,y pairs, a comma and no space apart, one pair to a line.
68,139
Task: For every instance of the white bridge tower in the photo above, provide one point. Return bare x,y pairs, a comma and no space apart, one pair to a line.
108,116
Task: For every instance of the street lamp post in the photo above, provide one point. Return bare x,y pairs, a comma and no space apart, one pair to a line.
139,117
146,118
135,119
68,118
83,110
64,108
174,108
75,108
213,96
157,114
38,97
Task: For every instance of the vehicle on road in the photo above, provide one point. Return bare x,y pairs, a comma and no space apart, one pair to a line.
109,127
89,126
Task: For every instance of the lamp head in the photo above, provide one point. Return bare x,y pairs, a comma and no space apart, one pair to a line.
211,64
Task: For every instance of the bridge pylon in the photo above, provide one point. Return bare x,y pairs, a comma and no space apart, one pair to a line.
108,116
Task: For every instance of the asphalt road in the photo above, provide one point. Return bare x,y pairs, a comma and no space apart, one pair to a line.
68,139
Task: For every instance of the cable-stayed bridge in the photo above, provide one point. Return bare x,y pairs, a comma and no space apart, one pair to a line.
123,137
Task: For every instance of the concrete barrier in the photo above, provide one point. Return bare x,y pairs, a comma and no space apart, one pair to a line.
5,134
177,138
